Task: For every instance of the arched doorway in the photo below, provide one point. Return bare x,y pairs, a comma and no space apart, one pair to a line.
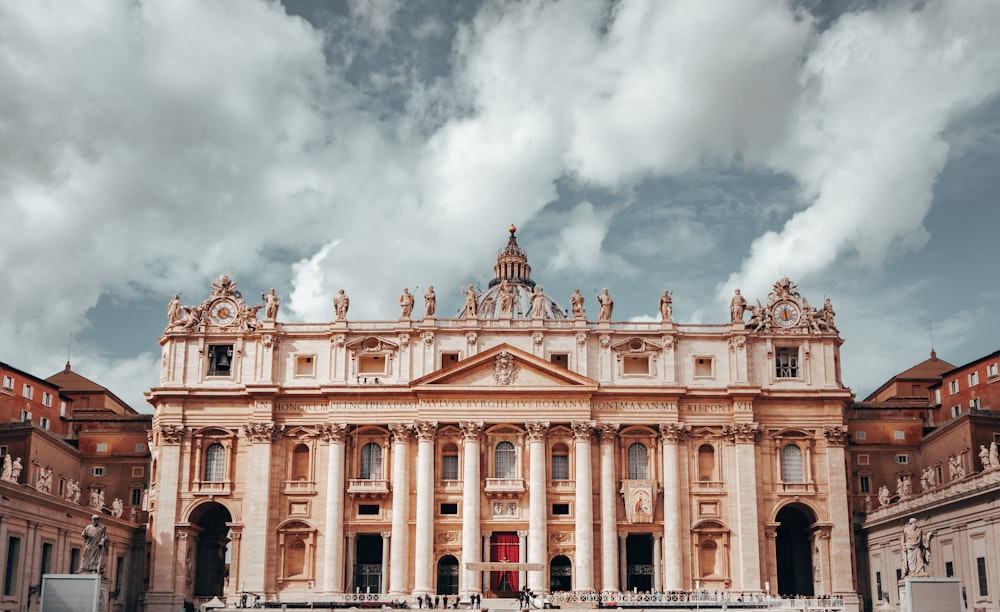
560,574
211,549
447,575
793,548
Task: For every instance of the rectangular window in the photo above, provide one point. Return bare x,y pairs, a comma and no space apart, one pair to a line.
786,362
560,467
863,460
956,411
136,496
953,387
973,379
138,471
878,584
98,471
974,403
368,510
46,565
220,360
44,423
62,409
866,484
102,447
636,365
860,435
703,367
46,399
981,571
13,564
25,416
28,391
74,560
449,467
305,365
560,509
937,397
949,569
448,360
902,458
449,509
898,435
8,383
370,365
992,370
560,359
141,447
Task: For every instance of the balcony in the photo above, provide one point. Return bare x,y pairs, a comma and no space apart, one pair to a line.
796,488
368,489
211,488
504,488
300,487
562,486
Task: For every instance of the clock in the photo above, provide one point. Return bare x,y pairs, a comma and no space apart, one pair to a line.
223,312
786,314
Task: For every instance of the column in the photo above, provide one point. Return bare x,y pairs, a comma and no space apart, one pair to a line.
670,435
351,548
609,515
583,572
746,564
256,531
484,576
423,582
333,539
537,505
398,553
840,544
472,546
623,560
386,562
657,562
236,530
771,552
522,543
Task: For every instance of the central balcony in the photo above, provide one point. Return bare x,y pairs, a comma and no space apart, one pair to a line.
368,489
504,488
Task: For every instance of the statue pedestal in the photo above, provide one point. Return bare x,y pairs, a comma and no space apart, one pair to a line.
930,595
74,593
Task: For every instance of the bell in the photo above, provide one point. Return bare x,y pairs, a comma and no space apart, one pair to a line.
224,361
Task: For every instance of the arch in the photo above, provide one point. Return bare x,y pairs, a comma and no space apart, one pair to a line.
637,461
504,460
296,549
447,575
208,548
711,542
793,549
560,574
300,464
371,461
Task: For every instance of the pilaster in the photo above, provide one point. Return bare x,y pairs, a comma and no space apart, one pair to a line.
746,564
673,574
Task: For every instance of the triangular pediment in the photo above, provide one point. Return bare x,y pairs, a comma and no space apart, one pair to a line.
505,368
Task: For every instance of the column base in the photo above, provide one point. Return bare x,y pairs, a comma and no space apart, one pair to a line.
163,601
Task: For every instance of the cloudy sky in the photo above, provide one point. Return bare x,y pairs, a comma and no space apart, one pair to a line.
147,147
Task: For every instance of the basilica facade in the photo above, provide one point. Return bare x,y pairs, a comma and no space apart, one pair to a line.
514,444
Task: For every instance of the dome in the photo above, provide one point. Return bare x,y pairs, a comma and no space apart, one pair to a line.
511,292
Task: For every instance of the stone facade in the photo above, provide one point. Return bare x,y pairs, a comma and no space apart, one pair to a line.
516,444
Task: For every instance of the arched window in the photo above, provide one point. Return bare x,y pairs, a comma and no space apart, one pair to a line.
791,463
371,461
706,462
504,461
449,462
638,461
560,462
300,463
215,463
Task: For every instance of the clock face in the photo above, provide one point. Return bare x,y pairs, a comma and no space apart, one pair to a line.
223,313
786,314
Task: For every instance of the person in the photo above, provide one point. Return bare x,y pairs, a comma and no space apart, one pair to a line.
916,549
174,310
607,305
44,484
340,305
406,303
666,306
94,541
506,300
576,304
538,304
737,307
470,302
984,457
430,302
271,303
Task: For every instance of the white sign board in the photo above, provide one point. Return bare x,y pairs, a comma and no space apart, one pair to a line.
73,593
933,595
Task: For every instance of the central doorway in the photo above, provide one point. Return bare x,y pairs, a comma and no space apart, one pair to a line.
793,548
368,567
639,562
504,548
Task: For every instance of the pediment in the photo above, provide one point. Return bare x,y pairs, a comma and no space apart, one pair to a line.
372,344
637,344
505,368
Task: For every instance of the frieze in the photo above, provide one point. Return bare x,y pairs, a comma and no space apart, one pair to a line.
635,406
707,408
506,404
307,407
172,434
505,510
371,406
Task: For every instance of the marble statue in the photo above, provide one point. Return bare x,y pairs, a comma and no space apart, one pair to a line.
341,304
666,306
95,538
117,508
96,500
737,306
883,496
7,467
44,483
916,549
506,300
430,302
984,457
271,303
607,305
538,303
470,302
73,491
576,304
406,303
174,315
827,315
956,471
903,487
994,457
15,470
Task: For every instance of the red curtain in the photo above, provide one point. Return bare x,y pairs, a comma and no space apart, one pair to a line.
504,549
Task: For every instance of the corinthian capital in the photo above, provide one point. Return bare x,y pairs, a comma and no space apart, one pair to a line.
836,435
401,432
741,432
426,430
674,432
471,430
536,430
263,432
332,432
583,430
172,434
608,431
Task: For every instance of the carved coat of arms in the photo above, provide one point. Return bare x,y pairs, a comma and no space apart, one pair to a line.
504,369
